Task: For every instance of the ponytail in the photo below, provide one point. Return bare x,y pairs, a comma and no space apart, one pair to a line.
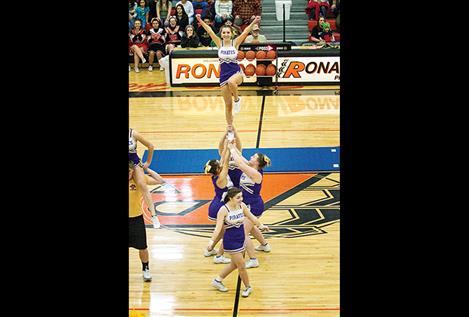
263,160
211,167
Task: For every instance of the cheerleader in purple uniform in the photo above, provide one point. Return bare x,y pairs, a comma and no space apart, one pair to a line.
139,175
231,218
221,182
251,184
231,75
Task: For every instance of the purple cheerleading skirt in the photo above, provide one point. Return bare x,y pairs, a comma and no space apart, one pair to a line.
134,158
256,206
226,71
234,240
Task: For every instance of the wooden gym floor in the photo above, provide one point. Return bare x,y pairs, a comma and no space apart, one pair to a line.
300,277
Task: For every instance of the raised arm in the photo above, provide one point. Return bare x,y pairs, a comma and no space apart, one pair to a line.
240,39
238,140
149,146
242,165
221,144
241,155
209,30
222,181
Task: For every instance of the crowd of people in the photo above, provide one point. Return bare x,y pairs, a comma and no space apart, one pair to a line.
318,10
156,27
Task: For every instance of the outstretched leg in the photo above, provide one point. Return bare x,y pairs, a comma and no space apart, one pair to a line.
233,84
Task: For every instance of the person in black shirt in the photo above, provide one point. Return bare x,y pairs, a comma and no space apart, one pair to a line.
316,32
190,39
202,33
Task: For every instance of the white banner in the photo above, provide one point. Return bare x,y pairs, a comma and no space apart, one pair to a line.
309,69
200,70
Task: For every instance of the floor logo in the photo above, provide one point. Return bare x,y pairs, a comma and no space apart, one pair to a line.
298,205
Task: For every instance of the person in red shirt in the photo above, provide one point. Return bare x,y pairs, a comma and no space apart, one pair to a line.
245,12
156,41
139,43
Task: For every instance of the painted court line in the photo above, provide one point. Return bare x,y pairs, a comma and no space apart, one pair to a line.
248,309
220,131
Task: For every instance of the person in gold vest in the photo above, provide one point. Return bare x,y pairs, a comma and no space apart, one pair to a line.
137,233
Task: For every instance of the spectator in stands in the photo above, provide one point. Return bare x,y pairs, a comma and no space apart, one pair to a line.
132,13
130,45
255,36
142,13
311,9
189,8
327,35
322,8
173,37
190,39
335,7
245,11
203,34
151,4
211,8
156,42
201,4
223,10
316,32
163,11
317,8
139,43
182,18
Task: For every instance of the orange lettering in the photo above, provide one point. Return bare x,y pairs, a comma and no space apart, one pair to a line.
293,69
194,69
183,69
213,70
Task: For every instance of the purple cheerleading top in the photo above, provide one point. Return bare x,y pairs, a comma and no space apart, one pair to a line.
219,192
133,148
234,238
251,190
229,66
